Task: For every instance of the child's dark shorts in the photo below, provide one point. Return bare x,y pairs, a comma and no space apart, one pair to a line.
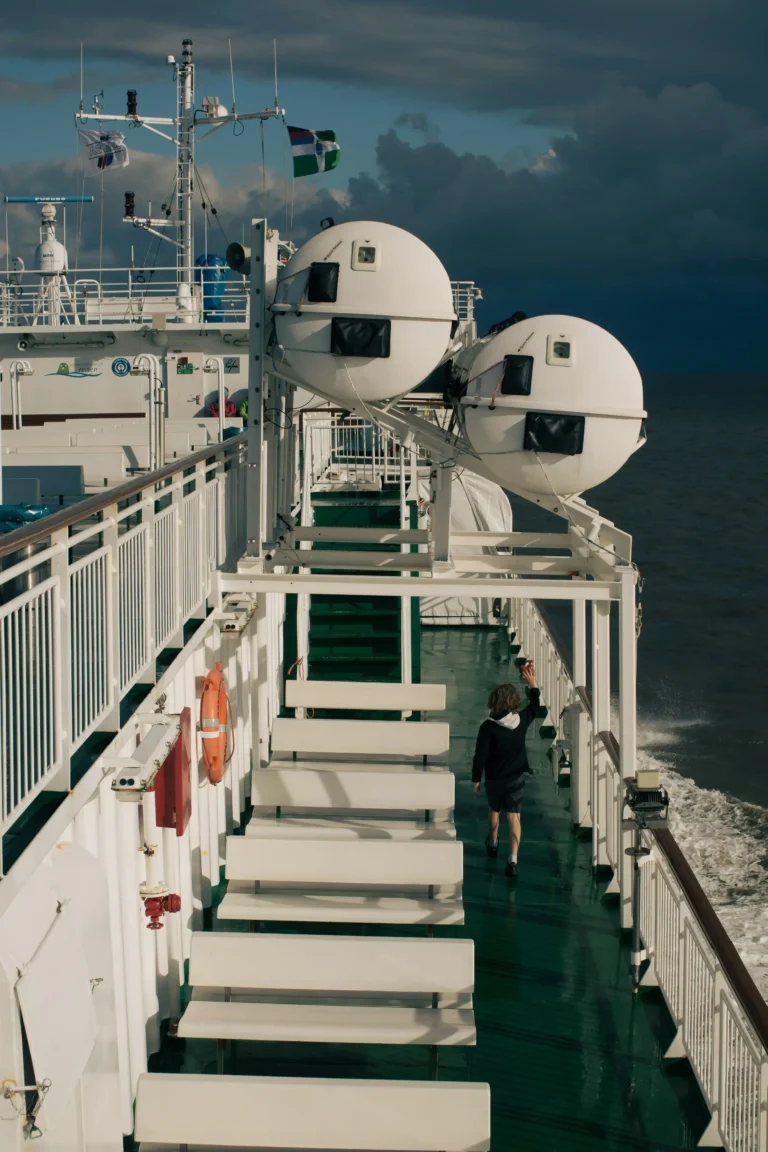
506,794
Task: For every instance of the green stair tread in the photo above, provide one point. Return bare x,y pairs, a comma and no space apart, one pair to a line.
354,610
347,654
352,630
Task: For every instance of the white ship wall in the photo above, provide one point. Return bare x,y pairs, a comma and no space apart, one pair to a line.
79,379
76,958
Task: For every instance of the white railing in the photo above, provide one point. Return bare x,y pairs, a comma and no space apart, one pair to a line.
352,450
91,597
116,296
136,295
465,292
720,1016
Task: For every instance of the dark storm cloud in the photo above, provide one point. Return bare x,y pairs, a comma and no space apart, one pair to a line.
649,219
418,122
555,55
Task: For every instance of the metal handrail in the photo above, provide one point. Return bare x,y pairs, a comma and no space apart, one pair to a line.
746,991
91,505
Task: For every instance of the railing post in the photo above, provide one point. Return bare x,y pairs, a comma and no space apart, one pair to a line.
111,721
763,1117
62,657
148,523
221,505
719,1065
177,522
601,705
203,571
676,1049
627,734
263,272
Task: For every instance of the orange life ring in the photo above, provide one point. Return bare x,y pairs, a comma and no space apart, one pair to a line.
215,714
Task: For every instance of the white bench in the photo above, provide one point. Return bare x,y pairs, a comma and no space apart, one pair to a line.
387,738
273,1112
242,903
351,694
324,965
338,788
343,968
347,828
352,864
342,867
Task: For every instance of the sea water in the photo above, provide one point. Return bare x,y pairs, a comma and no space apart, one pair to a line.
695,500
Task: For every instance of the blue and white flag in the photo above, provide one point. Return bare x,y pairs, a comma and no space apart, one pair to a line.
102,150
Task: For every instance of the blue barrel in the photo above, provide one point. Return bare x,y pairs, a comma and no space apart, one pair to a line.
212,272
13,516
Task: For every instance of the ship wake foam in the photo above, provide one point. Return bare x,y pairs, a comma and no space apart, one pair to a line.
725,841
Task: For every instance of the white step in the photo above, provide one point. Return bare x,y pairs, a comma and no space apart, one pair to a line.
319,1115
333,908
347,828
327,1024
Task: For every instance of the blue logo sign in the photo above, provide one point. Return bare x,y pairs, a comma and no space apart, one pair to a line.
121,366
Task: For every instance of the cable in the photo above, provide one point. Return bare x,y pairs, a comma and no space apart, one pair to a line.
214,211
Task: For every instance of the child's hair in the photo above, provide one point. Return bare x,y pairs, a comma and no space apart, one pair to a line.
504,698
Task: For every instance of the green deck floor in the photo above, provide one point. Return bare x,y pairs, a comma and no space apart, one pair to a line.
573,1059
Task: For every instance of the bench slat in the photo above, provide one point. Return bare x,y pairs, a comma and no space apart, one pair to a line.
360,737
340,790
333,762
332,964
320,1114
330,908
346,828
352,863
358,694
327,1024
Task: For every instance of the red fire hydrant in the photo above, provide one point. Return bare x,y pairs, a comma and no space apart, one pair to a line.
156,906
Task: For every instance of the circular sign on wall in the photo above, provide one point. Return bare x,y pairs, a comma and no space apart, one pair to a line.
121,366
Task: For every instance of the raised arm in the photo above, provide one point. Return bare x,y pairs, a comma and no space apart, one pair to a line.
528,714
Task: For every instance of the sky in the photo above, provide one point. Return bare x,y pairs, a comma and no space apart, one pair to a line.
596,159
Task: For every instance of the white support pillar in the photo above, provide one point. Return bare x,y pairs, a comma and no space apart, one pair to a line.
263,280
579,644
406,635
627,731
601,711
578,725
441,513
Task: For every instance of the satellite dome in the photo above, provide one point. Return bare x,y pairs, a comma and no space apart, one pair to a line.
552,404
363,312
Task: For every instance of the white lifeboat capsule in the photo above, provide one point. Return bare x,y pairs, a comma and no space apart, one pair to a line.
553,404
363,312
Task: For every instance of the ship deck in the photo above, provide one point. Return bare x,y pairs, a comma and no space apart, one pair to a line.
574,1060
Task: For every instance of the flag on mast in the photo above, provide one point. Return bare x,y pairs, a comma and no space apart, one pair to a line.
102,150
313,151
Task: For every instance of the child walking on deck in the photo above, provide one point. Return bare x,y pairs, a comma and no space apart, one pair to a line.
500,754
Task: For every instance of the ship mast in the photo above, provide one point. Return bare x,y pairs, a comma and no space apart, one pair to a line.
185,168
184,126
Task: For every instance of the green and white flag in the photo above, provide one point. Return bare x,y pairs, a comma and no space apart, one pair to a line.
313,151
